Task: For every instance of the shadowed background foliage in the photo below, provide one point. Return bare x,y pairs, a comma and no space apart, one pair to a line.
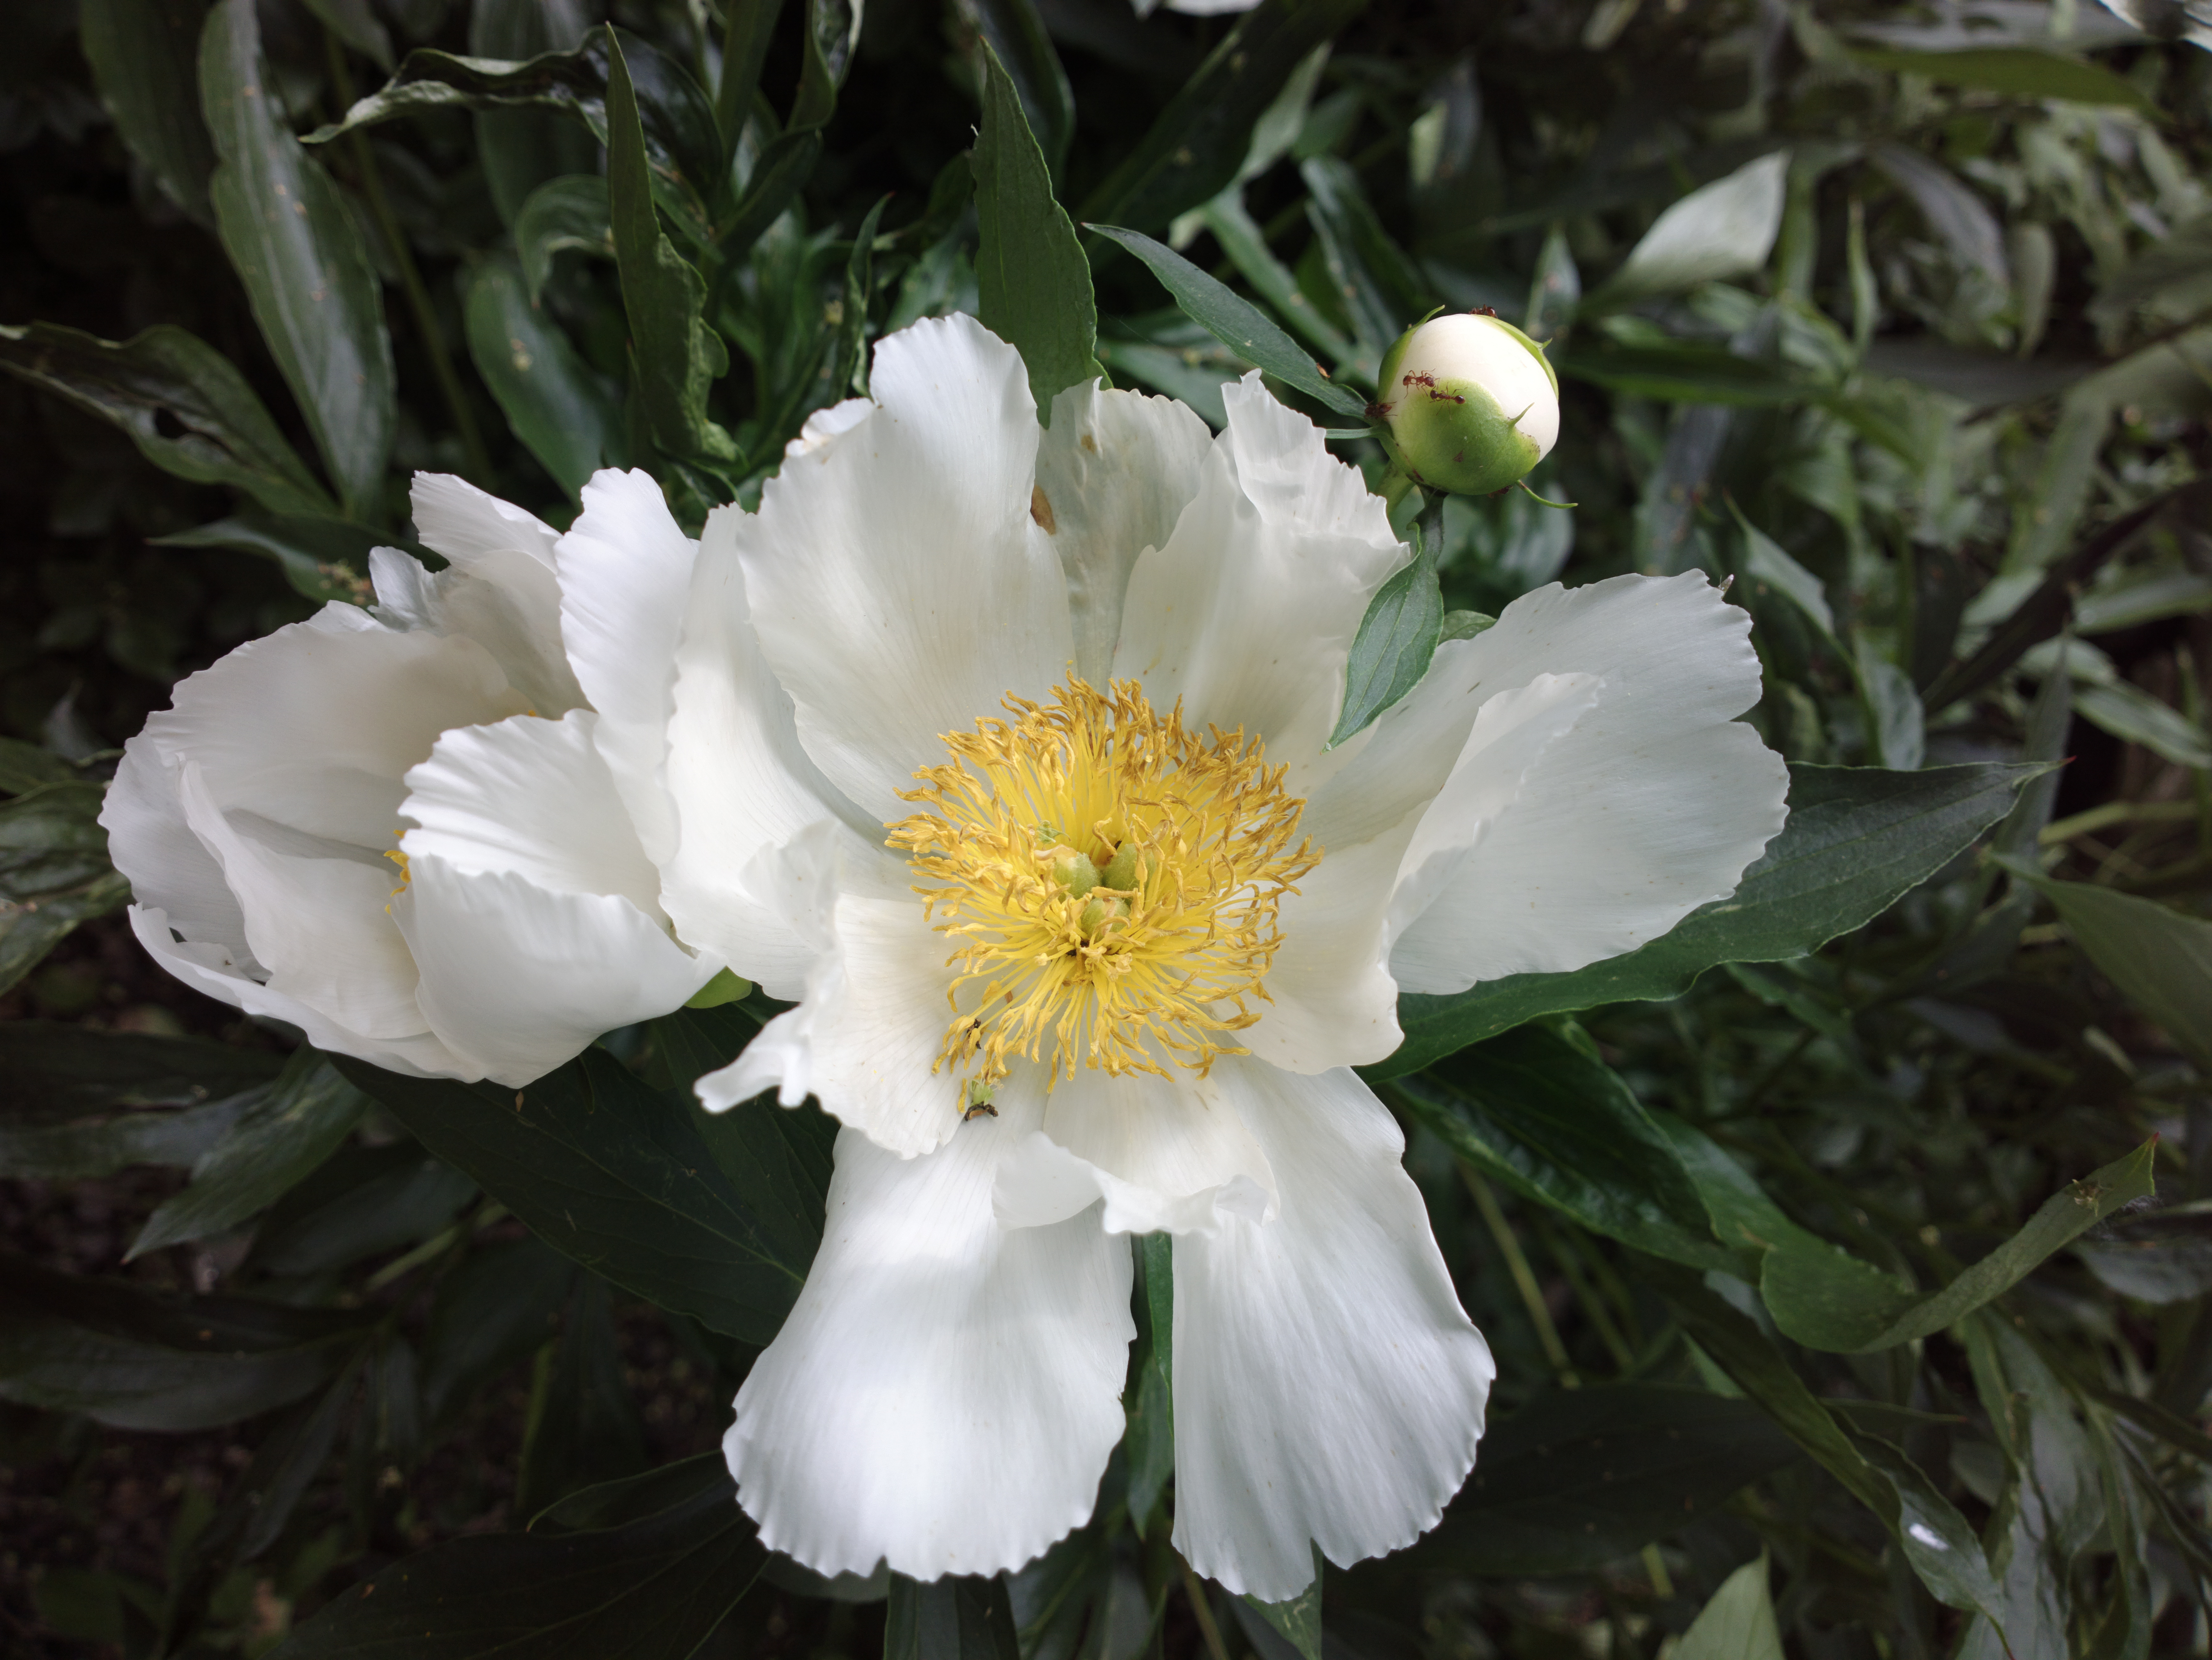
1844,1252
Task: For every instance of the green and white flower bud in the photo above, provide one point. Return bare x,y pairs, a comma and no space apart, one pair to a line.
1469,403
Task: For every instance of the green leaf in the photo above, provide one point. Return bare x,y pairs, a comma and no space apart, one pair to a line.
2044,612
354,23
1765,563
1017,38
683,148
276,1141
1396,639
584,1425
832,32
360,1203
613,1174
567,212
563,410
1738,1623
1724,229
72,1150
748,26
2159,959
1688,372
1198,143
950,1619
655,1584
298,248
1937,1543
1235,322
29,929
678,356
1298,1620
1811,1302
1549,1120
143,54
1382,291
1857,839
849,362
187,410
502,1304
1033,282
322,558
55,1071
24,767
2134,716
2023,71
1893,711
122,1355
1582,1477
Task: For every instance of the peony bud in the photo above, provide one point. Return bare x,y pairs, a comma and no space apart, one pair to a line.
1470,402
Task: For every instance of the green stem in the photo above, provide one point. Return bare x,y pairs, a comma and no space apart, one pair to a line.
1202,1611
745,50
477,460
1524,1281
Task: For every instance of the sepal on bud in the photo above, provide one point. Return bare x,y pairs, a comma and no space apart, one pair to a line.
1469,403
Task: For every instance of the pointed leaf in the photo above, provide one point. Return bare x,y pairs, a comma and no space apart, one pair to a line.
563,410
1235,322
299,250
188,410
144,54
1033,283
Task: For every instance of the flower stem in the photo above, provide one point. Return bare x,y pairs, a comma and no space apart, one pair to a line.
1517,1266
1202,1610
477,458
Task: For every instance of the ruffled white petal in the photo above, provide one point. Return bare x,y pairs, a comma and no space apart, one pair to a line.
533,798
946,1393
1247,613
1114,472
315,918
499,589
312,730
625,569
865,1040
1653,805
1167,1155
171,871
741,783
209,968
1328,1386
521,978
898,583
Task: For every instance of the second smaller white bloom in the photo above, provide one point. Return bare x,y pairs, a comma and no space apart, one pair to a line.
392,828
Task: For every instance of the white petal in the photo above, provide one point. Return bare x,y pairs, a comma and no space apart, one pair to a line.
946,1393
319,925
313,730
866,1039
499,590
1513,731
521,979
1654,805
625,568
532,797
1247,613
1328,1385
898,583
1167,1155
741,785
209,968
171,870
452,517
1114,472
1330,999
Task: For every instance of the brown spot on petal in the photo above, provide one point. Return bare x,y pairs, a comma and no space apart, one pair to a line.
1040,509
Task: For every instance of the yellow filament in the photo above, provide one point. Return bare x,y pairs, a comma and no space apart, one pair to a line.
400,860
1110,880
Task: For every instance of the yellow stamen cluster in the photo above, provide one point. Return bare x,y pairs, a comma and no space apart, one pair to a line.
1112,881
400,860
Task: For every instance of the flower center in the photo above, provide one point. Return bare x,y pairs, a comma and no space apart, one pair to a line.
1111,880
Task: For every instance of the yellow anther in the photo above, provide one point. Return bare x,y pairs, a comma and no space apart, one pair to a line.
1135,939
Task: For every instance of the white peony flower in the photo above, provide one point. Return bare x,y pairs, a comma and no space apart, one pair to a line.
999,751
392,829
